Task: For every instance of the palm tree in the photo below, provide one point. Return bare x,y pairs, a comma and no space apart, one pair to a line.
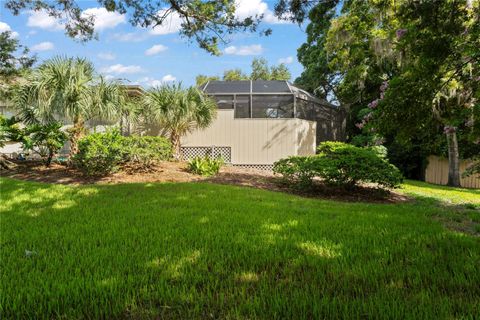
179,111
69,89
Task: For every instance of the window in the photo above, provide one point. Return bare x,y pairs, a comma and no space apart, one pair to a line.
272,106
242,106
224,102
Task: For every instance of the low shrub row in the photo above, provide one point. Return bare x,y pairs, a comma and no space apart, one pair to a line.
102,153
339,164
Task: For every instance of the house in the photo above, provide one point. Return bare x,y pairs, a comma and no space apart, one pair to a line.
260,122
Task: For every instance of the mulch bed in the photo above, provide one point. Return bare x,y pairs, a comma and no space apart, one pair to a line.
177,172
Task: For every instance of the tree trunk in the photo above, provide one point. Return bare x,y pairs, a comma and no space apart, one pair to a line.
453,159
77,133
49,158
175,140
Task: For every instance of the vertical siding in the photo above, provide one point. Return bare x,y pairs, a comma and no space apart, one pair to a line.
437,172
306,137
256,141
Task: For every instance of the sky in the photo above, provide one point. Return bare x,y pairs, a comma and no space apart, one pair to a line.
151,57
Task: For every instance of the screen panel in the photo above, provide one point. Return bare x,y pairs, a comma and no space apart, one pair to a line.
242,106
224,101
272,106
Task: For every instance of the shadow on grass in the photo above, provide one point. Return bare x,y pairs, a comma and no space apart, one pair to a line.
209,251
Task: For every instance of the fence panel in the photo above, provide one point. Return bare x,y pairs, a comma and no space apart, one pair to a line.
437,172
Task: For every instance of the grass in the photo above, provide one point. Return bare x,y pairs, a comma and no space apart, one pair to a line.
199,250
444,194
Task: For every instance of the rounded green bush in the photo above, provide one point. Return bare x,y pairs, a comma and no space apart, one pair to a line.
340,164
102,153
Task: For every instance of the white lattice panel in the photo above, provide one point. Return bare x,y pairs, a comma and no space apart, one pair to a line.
265,167
213,152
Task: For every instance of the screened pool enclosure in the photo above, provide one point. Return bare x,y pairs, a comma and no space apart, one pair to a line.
260,122
264,99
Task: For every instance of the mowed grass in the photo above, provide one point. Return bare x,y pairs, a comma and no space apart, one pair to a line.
199,251
444,194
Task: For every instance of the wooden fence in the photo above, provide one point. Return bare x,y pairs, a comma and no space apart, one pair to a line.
437,172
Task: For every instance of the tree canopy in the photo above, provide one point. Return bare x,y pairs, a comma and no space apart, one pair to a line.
206,22
15,59
179,111
68,88
407,72
260,70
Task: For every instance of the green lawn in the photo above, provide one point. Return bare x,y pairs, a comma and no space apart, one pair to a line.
199,250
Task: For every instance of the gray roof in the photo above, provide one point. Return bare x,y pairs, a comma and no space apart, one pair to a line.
259,87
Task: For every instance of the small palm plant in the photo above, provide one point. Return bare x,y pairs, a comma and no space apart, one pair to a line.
179,111
67,89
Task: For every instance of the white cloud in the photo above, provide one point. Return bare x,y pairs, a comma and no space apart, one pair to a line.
152,82
168,78
171,24
253,8
130,37
41,19
121,69
43,46
5,27
251,50
106,56
286,60
103,18
155,49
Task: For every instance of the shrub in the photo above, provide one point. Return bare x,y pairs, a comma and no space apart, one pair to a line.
146,150
44,139
100,153
205,166
339,164
347,165
297,171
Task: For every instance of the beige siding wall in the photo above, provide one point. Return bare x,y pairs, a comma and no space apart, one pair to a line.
437,172
256,141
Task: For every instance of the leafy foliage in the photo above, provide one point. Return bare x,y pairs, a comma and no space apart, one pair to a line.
345,164
206,22
202,79
15,60
405,71
67,88
317,76
260,71
205,166
147,150
44,139
234,75
179,111
10,130
103,153
298,171
340,164
473,169
100,153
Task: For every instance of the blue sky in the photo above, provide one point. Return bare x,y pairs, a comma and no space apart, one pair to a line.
151,57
